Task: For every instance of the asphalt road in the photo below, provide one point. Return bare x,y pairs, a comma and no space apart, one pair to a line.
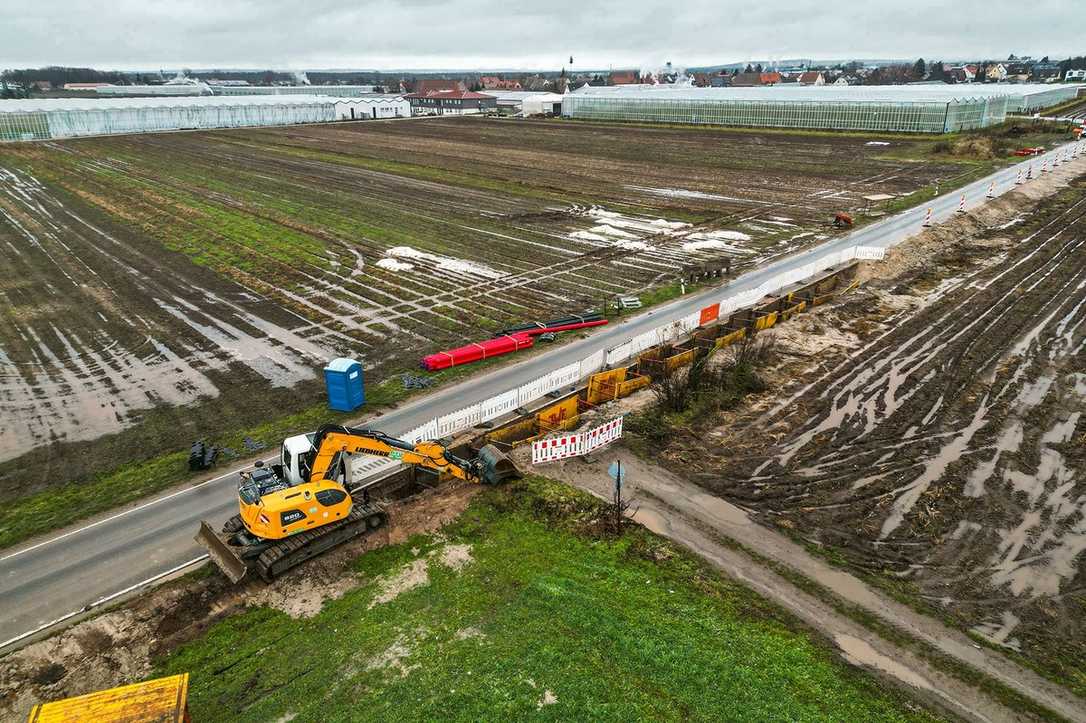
47,581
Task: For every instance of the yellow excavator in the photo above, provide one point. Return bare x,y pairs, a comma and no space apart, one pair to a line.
305,504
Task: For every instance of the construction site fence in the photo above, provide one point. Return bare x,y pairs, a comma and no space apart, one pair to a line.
610,373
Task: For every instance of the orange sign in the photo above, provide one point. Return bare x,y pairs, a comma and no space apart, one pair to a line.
709,313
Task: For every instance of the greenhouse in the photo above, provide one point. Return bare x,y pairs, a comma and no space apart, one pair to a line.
339,91
905,109
28,120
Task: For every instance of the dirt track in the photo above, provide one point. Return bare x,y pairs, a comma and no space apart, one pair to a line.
944,454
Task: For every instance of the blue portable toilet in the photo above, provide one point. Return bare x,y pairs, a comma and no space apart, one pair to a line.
343,378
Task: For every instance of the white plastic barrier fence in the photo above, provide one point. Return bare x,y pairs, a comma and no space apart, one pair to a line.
531,391
619,353
458,421
363,467
691,321
641,342
592,364
497,406
576,444
421,433
567,375
870,253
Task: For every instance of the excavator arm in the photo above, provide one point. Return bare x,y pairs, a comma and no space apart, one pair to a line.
331,440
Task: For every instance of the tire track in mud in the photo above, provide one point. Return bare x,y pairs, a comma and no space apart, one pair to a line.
947,452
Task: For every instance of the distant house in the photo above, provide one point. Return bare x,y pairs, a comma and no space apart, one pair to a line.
997,72
720,80
85,86
493,82
1075,75
811,77
841,80
624,77
702,80
747,80
429,85
962,73
43,84
450,102
1046,71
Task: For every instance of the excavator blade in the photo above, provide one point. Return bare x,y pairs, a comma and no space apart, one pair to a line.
496,467
221,553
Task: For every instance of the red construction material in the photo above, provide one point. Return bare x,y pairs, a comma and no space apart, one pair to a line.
477,351
495,347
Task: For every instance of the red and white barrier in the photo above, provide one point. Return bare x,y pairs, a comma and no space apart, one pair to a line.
927,218
1018,180
961,204
991,190
1044,166
576,444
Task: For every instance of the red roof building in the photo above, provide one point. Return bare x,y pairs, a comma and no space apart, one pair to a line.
625,77
492,82
450,102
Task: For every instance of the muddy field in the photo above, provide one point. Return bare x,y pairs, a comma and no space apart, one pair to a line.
186,285
928,429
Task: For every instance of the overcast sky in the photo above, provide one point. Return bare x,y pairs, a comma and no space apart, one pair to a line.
383,34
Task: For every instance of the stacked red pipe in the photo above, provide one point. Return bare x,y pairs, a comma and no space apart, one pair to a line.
506,344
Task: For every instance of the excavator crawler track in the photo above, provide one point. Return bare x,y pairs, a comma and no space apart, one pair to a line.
296,549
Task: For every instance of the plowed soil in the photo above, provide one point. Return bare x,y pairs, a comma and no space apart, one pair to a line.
162,288
941,451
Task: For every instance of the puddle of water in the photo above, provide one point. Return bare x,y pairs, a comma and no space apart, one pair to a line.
934,470
860,652
999,632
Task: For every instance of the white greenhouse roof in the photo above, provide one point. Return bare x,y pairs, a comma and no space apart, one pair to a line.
91,104
825,93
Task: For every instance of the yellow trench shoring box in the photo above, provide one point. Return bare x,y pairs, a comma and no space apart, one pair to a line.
730,338
161,700
560,415
603,386
766,321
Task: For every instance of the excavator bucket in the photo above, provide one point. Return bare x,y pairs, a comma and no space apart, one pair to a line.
221,553
495,467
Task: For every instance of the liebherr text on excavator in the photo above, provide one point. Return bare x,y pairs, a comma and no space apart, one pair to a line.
304,504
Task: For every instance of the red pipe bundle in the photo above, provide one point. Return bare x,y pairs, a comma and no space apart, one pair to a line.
477,351
494,347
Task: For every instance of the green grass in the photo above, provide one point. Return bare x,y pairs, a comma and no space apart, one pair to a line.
615,629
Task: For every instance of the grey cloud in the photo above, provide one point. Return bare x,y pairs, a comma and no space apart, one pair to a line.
493,33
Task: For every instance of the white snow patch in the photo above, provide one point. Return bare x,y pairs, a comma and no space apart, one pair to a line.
609,230
446,263
587,236
394,265
710,244
876,143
